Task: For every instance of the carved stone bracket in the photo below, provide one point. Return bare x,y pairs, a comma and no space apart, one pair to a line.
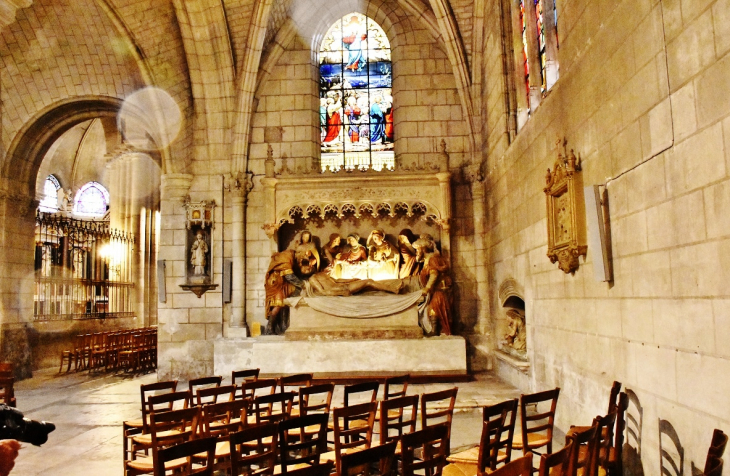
200,213
473,173
240,183
271,228
566,218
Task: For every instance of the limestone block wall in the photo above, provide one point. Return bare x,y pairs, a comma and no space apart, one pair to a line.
426,110
642,98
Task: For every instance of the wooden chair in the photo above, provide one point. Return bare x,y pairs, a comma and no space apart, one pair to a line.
351,437
254,450
212,394
671,453
558,463
396,386
519,467
72,355
265,407
185,451
324,469
258,387
432,442
614,465
219,420
158,404
302,440
463,464
438,408
612,403
166,429
605,440
248,375
361,462
136,427
585,448
314,400
292,383
716,450
713,466
398,416
491,412
202,382
360,393
7,383
537,428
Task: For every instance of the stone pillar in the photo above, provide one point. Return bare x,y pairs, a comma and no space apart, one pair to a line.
444,179
238,187
474,176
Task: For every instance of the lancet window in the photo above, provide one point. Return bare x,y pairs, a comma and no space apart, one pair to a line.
92,200
49,202
356,101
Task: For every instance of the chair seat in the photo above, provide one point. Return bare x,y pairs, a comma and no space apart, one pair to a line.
277,468
470,456
332,456
222,450
462,469
308,430
145,464
534,440
146,439
134,423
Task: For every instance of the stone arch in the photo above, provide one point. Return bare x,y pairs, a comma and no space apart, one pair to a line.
511,294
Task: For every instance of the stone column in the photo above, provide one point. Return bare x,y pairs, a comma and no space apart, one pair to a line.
473,175
238,188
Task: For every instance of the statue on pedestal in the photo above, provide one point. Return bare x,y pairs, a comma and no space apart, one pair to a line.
198,252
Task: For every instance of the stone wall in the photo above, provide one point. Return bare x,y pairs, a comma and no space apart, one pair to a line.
642,99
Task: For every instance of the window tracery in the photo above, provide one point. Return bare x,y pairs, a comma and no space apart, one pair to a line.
356,102
49,203
92,200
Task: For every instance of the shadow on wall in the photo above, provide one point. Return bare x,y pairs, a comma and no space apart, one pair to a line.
631,454
671,452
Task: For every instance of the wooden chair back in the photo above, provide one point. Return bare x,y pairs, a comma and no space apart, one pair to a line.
713,466
605,427
171,428
717,447
316,399
398,416
220,419
433,442
187,450
395,386
165,402
519,467
362,462
203,382
558,463
353,428
205,396
291,383
306,444
258,387
254,450
671,451
438,408
360,392
615,456
241,376
151,389
273,408
537,428
509,409
585,446
613,396
490,443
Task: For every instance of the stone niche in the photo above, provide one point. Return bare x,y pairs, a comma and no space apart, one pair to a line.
511,353
345,202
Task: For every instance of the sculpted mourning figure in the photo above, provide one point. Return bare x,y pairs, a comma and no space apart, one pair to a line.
281,282
382,256
332,249
435,286
348,264
409,261
307,255
198,252
516,337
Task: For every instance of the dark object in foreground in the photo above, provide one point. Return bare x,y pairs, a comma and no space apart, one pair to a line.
13,425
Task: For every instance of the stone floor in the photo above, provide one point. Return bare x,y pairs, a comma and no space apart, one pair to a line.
88,411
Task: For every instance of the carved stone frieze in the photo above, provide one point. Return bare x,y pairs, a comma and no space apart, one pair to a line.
566,218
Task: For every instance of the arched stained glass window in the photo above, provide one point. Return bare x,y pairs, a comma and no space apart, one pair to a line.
49,202
356,102
541,50
525,55
91,200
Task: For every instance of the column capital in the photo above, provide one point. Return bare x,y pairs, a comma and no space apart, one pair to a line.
175,186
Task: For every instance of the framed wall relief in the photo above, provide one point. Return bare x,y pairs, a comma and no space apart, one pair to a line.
566,218
199,247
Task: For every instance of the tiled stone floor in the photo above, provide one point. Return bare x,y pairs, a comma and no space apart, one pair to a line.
88,411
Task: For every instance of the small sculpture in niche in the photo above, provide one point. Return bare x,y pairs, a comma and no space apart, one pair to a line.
198,254
435,284
409,262
515,340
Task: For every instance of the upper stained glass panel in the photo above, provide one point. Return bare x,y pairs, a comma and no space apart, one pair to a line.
356,102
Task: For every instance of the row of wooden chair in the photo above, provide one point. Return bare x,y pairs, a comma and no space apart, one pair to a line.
129,350
352,425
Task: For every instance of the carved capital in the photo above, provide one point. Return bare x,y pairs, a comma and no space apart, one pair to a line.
175,186
239,184
271,228
473,173
567,258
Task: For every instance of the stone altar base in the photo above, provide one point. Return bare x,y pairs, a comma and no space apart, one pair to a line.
434,356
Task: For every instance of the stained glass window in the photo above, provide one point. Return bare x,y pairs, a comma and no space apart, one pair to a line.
555,18
92,200
525,56
49,202
541,51
355,91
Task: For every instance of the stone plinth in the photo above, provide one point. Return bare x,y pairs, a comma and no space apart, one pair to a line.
306,323
344,357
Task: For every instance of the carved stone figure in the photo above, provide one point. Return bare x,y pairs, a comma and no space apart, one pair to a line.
349,263
322,284
198,253
281,282
435,286
516,337
307,255
332,249
382,256
409,262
